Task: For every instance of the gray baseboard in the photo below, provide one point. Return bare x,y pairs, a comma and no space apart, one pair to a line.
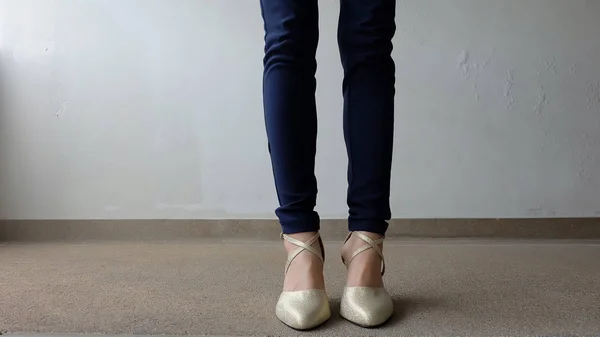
166,230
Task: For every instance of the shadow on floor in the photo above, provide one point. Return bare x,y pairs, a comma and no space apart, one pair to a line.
404,307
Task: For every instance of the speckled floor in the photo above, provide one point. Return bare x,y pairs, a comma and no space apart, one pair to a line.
440,287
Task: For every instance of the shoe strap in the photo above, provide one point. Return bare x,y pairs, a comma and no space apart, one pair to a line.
302,246
371,244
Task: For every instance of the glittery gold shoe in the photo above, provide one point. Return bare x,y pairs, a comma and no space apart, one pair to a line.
303,309
366,306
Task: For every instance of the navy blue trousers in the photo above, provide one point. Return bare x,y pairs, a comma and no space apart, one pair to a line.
365,32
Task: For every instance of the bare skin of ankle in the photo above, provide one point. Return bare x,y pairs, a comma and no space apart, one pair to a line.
365,268
306,270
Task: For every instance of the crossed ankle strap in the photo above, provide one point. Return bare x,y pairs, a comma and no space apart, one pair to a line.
371,244
302,246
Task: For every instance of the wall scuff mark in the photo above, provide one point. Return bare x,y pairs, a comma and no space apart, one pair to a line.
61,109
542,100
508,85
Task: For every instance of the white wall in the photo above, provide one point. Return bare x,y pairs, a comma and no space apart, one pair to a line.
153,109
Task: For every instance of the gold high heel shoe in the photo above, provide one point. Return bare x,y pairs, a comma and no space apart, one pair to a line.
304,309
366,306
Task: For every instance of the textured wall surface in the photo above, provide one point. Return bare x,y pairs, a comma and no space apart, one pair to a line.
152,109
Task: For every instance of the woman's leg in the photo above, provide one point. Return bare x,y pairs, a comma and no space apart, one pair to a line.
291,38
365,33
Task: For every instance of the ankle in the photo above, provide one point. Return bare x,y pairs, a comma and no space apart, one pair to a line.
302,237
365,268
354,242
371,235
305,270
